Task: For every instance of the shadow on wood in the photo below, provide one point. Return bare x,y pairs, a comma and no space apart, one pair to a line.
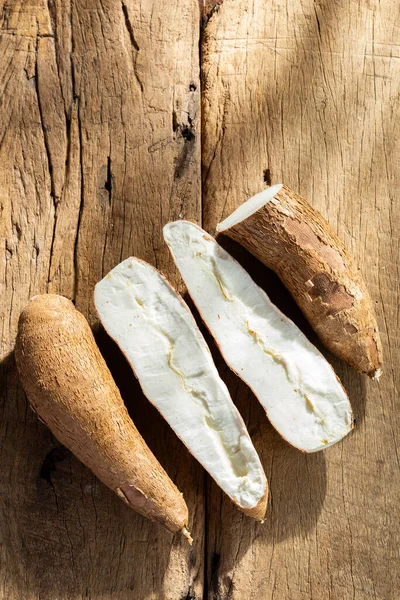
297,481
52,508
297,488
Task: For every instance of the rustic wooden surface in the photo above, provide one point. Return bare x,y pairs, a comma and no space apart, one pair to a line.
307,93
100,144
99,147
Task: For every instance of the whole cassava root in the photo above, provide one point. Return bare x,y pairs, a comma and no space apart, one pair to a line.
290,237
70,387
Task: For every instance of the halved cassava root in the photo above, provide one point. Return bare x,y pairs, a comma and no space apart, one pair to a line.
71,389
297,387
156,331
290,237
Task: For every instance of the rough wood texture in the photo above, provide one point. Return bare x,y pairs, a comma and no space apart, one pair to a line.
293,239
70,387
307,93
100,146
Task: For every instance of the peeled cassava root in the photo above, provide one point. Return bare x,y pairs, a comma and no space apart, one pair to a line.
156,331
290,237
71,389
298,389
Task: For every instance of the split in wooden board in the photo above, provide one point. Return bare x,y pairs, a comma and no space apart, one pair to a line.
286,91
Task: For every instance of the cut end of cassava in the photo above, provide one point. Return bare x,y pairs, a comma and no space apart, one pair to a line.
258,512
376,375
301,394
186,533
156,331
249,208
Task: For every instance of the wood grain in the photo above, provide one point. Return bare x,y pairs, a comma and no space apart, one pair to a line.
307,93
100,146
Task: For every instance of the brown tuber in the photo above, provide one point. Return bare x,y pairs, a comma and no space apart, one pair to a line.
71,389
290,237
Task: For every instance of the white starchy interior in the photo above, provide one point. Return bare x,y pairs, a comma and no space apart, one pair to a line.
295,384
249,207
160,338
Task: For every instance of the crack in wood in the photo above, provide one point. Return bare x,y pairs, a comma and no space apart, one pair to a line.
267,176
44,128
134,44
108,182
81,204
129,27
50,167
208,9
49,464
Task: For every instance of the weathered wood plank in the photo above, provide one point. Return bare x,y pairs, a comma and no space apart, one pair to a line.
100,146
307,93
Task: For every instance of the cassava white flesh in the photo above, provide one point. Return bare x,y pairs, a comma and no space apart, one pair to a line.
250,207
157,333
301,394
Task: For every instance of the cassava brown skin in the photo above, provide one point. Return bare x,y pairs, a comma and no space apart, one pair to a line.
69,386
258,511
290,237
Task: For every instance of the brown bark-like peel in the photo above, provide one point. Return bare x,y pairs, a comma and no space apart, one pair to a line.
293,239
71,388
258,511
